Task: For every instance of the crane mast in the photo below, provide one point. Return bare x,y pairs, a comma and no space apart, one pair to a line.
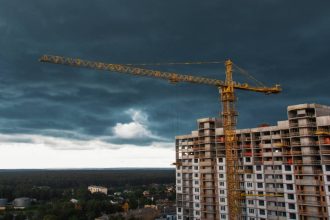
229,114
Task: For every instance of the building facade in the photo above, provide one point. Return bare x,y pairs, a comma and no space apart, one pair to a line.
284,169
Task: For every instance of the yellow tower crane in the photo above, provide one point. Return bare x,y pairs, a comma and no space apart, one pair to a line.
226,89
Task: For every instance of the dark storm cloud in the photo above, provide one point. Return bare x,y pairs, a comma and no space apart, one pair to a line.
277,41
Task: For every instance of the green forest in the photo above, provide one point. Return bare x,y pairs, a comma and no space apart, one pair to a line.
52,190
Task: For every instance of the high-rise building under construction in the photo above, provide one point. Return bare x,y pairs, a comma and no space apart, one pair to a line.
284,169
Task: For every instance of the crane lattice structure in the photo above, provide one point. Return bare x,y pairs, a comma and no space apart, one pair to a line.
229,114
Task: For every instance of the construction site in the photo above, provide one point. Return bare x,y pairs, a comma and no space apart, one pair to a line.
269,172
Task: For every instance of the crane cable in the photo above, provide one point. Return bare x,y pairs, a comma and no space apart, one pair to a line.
174,63
240,70
247,74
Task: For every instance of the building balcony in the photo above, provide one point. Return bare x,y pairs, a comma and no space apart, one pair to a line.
276,136
277,154
310,152
308,124
267,154
207,170
296,152
294,134
206,163
266,145
325,152
309,143
325,161
313,214
271,180
323,142
308,182
312,172
284,135
247,154
274,190
273,171
308,192
307,162
293,124
265,137
314,203
276,208
295,143
272,217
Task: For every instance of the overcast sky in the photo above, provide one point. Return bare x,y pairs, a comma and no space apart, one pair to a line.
54,116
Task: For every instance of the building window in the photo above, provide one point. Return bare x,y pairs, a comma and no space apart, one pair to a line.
249,184
261,202
220,167
250,202
289,186
197,197
327,167
292,206
221,176
248,159
222,200
197,212
196,190
179,209
197,205
290,196
196,174
195,167
328,178
293,216
259,176
258,167
287,168
260,185
223,216
178,174
223,208
220,160
222,183
248,176
251,211
262,212
288,177
222,192
196,182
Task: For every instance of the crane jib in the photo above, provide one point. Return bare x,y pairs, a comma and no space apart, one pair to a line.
172,77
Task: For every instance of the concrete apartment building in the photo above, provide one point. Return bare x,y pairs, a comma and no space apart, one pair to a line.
291,160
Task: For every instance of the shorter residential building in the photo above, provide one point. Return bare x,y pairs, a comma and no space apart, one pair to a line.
98,189
3,203
21,203
169,216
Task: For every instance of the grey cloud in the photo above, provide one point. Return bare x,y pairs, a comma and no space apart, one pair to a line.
277,44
